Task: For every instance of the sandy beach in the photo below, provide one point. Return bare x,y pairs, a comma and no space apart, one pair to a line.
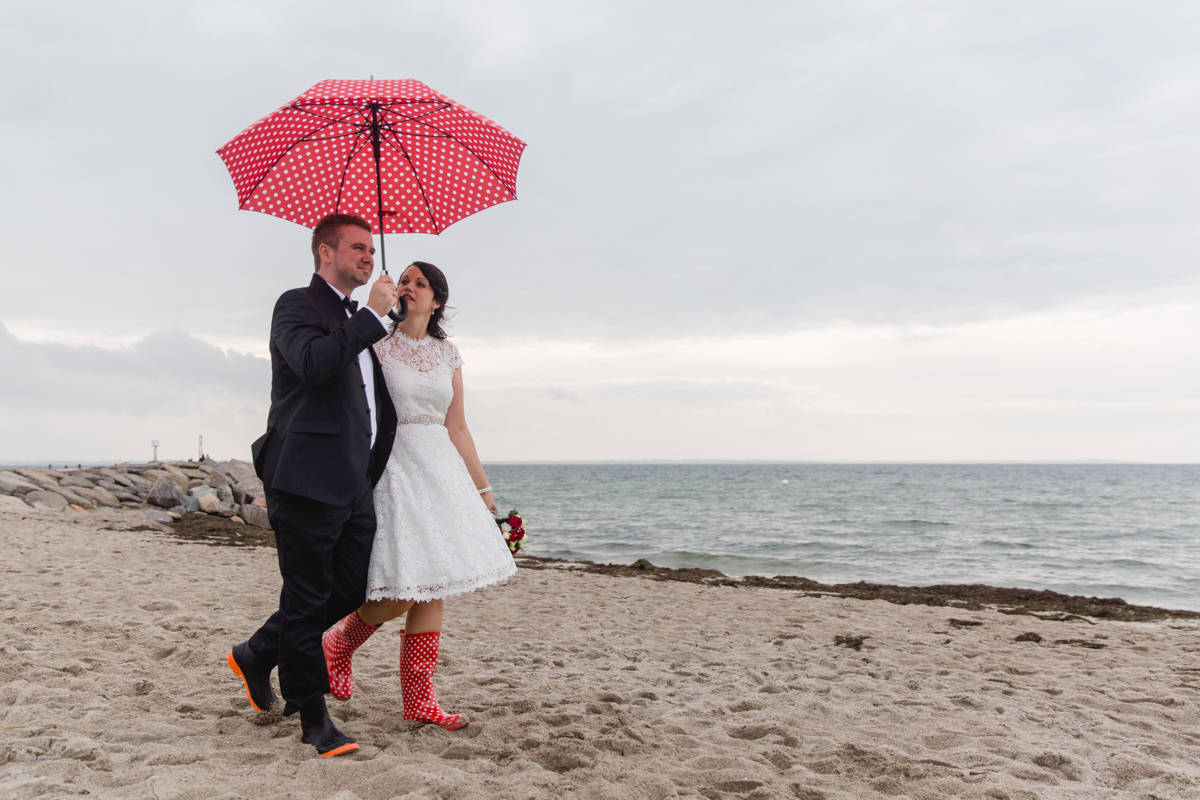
578,685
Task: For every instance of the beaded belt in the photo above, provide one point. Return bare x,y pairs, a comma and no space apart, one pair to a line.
421,419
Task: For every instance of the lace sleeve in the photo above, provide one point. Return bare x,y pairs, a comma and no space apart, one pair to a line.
455,357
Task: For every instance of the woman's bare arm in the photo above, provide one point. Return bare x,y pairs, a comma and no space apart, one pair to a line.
456,424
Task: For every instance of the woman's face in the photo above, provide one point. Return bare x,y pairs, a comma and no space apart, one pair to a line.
416,288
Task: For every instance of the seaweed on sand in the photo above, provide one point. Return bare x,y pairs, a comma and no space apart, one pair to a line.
1055,606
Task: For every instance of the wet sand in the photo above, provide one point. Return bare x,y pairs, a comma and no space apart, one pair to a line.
580,683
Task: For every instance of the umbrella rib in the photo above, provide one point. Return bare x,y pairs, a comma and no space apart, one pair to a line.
417,118
343,118
443,135
342,183
412,167
288,149
415,135
356,132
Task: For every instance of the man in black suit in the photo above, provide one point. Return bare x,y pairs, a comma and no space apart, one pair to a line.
329,433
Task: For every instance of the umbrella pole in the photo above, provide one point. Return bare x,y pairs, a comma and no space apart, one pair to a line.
402,313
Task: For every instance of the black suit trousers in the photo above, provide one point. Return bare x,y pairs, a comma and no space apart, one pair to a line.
324,553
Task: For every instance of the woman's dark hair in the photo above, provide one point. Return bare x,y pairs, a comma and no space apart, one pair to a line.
441,293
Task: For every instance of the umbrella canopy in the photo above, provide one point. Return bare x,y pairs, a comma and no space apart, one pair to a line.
394,152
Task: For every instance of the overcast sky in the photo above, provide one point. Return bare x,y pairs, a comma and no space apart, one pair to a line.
777,230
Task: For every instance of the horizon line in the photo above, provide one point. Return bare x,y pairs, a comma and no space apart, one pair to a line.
86,464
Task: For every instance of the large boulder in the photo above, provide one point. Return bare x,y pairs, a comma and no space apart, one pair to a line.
12,503
100,496
209,504
200,491
117,477
240,471
37,476
43,498
188,506
72,497
12,483
228,506
217,480
256,516
75,482
245,491
184,481
216,466
107,496
165,493
137,480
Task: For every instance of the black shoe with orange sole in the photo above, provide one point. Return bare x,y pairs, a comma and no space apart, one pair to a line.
317,729
254,674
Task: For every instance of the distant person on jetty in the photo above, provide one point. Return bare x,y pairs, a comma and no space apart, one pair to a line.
436,538
329,433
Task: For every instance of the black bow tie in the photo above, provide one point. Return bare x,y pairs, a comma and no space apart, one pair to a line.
352,305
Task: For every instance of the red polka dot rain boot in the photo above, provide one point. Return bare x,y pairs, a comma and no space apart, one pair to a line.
339,644
418,659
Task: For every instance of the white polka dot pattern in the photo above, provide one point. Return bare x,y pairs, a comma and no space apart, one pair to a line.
418,659
440,161
339,644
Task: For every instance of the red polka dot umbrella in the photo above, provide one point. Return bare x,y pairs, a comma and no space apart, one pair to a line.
396,153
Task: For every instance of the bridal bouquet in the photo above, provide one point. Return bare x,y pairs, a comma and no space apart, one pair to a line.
512,528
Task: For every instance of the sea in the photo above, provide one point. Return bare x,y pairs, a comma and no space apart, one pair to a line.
1100,530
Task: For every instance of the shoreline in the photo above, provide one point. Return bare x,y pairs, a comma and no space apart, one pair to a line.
1043,603
232,503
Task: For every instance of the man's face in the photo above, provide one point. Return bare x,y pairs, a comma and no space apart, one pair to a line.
354,258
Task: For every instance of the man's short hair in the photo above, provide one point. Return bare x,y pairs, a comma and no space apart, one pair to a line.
329,231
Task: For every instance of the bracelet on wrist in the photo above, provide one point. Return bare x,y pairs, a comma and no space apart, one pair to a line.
485,490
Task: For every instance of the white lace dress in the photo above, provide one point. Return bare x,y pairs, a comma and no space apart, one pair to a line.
435,536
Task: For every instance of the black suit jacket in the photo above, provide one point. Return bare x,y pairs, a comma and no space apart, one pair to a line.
318,439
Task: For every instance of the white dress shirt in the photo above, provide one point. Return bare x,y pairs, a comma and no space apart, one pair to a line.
366,367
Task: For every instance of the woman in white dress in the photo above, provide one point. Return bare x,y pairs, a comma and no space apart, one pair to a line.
436,533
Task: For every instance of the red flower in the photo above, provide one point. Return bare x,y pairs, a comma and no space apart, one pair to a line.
514,520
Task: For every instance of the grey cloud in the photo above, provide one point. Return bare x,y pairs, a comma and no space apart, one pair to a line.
692,166
163,371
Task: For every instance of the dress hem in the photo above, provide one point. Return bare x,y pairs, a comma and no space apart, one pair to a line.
421,595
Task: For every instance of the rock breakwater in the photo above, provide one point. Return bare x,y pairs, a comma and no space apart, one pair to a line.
163,490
